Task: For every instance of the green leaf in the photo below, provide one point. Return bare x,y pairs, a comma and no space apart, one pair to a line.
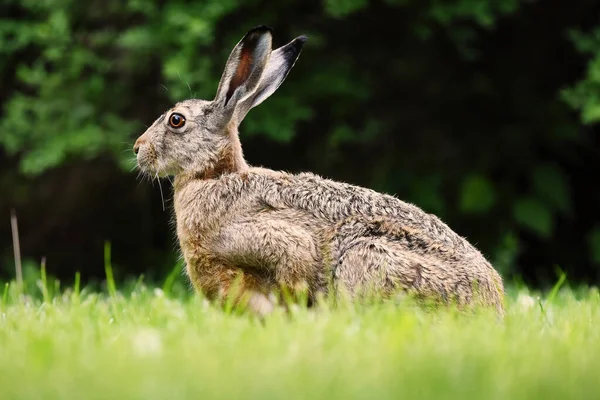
534,215
342,8
426,192
590,113
583,96
341,134
136,37
551,186
477,195
506,252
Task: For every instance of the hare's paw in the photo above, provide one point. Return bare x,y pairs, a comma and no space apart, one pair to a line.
260,304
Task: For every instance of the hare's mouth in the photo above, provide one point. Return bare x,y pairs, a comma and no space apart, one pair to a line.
153,168
147,165
146,168
147,161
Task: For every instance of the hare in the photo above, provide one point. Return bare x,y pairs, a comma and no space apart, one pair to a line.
259,231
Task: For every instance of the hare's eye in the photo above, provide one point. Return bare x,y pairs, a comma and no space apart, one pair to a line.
176,120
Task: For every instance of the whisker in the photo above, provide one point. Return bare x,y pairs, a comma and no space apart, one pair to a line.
166,88
168,177
140,178
162,199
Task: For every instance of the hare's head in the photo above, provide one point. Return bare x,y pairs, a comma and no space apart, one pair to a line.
200,136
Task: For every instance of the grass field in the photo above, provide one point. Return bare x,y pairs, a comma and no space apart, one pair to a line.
146,344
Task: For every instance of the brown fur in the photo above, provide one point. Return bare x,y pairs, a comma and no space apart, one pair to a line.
266,230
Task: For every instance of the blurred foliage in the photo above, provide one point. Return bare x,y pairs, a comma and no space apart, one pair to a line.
585,94
459,106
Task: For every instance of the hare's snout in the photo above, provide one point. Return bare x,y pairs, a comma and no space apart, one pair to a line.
141,141
136,146
145,154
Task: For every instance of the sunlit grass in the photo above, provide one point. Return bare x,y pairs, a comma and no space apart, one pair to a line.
148,344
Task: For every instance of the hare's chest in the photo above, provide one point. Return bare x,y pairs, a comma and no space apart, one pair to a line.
199,226
195,248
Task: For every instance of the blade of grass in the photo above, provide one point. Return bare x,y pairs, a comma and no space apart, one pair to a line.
562,277
139,283
16,249
55,288
233,297
44,283
76,290
170,280
110,280
5,294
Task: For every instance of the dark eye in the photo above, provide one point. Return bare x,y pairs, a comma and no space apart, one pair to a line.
176,120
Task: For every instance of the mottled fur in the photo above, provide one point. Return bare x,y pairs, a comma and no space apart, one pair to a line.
267,230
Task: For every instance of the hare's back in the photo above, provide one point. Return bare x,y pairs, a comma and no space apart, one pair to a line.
334,202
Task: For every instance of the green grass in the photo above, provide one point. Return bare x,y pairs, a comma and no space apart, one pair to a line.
149,345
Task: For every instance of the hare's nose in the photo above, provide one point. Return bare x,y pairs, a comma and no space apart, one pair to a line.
136,146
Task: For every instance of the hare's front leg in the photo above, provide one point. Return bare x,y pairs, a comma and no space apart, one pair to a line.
222,282
284,251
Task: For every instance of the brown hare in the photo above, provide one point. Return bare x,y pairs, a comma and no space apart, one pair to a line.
261,231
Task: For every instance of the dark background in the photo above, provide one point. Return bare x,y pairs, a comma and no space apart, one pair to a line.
483,112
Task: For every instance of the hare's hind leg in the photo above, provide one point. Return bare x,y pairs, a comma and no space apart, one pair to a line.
380,267
370,262
368,266
374,255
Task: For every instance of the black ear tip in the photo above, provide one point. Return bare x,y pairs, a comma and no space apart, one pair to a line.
302,39
261,29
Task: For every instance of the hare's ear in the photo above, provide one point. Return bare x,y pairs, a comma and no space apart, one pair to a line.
244,68
280,64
